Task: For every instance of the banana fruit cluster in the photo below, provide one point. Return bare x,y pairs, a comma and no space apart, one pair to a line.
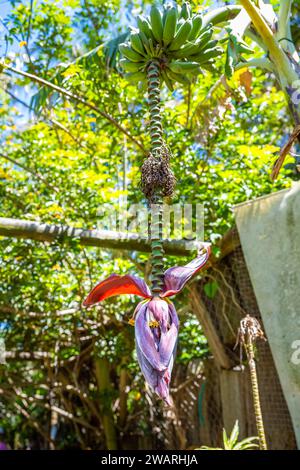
176,39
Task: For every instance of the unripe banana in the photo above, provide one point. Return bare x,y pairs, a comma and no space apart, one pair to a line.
177,77
137,44
183,67
186,51
194,49
156,23
207,54
135,77
196,27
167,80
185,11
209,65
145,42
152,49
144,26
181,36
201,49
130,54
129,66
204,38
165,13
170,26
207,45
180,22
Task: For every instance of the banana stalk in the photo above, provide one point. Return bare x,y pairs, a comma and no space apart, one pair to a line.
151,53
156,132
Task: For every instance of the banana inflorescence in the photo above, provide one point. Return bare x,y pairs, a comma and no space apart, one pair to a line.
175,39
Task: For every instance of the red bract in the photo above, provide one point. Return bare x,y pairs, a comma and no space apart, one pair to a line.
156,321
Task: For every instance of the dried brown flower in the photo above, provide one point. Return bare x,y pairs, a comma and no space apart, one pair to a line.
157,175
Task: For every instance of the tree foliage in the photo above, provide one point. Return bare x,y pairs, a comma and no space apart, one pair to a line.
63,162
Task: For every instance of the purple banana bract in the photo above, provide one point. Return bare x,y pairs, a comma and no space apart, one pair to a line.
155,318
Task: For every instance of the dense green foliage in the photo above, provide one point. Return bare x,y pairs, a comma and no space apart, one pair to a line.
62,164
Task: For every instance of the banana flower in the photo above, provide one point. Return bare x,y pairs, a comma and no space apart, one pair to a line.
155,318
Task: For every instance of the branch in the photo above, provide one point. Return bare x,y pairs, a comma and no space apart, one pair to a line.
99,238
50,120
12,399
284,152
28,356
77,98
7,309
71,417
29,22
29,170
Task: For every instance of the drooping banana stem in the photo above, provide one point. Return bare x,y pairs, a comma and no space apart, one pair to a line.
157,251
154,105
256,397
156,132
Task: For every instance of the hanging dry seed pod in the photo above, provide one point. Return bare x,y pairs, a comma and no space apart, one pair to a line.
157,174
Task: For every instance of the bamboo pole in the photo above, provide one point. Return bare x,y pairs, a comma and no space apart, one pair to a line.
99,238
109,239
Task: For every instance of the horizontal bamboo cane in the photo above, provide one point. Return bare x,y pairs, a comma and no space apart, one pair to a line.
99,238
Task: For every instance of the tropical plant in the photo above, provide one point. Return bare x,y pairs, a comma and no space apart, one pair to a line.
231,442
151,56
71,377
272,35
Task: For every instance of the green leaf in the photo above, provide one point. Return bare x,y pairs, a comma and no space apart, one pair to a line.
234,434
225,440
210,289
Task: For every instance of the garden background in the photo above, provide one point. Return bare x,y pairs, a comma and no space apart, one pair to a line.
71,379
